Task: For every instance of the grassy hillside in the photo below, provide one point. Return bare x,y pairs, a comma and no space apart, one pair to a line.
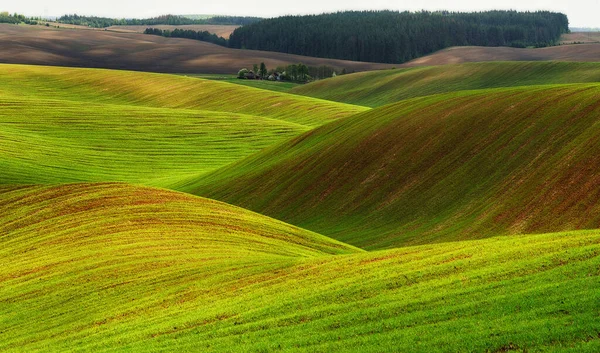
164,91
73,125
112,267
377,88
50,141
433,169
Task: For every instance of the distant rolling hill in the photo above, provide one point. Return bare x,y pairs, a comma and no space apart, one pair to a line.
220,30
440,168
580,37
457,55
377,88
132,51
72,125
115,267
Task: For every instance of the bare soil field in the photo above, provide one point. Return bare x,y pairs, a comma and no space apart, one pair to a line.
580,37
220,30
133,51
456,55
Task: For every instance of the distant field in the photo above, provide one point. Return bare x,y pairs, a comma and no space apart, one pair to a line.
114,267
69,125
133,51
580,37
220,30
457,55
441,168
377,88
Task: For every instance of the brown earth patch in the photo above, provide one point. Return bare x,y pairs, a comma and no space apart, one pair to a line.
37,45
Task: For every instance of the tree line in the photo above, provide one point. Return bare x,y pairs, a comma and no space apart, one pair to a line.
103,22
16,18
293,72
189,34
396,37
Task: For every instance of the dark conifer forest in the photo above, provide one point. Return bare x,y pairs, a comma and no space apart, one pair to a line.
396,37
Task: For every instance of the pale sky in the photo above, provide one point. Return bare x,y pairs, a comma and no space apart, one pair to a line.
581,13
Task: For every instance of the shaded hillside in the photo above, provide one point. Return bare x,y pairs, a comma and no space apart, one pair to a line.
440,168
377,88
131,51
113,267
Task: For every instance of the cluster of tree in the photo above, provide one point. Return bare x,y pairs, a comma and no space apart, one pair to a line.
103,22
189,34
231,20
396,37
6,17
295,72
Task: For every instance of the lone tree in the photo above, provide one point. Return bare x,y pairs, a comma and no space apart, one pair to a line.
242,73
263,70
255,68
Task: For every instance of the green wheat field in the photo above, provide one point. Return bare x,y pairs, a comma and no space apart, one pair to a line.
434,209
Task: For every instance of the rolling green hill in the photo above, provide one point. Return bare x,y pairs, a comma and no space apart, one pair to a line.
165,91
114,267
377,88
49,141
75,125
433,169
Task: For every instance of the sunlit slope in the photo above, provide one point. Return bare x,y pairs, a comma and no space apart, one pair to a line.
377,88
439,168
134,217
84,125
53,141
112,267
164,91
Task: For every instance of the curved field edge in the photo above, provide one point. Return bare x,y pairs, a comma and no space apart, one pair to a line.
378,88
440,168
165,91
49,141
171,271
126,216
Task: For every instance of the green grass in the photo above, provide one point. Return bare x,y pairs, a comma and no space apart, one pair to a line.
75,125
377,88
434,169
262,84
165,91
108,267
112,267
51,141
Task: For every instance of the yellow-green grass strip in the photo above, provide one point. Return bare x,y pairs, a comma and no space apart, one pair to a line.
377,88
165,91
